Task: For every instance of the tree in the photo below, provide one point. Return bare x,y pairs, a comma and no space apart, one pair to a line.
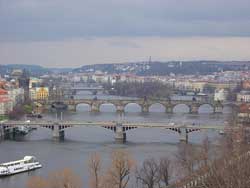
148,176
229,169
65,178
136,89
118,174
230,172
60,179
27,109
37,182
165,170
16,113
203,153
95,171
187,158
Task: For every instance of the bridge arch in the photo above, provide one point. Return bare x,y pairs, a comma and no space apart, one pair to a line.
132,107
83,107
107,107
181,108
157,107
206,108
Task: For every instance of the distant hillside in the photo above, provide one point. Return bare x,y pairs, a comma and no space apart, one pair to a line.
32,69
60,70
165,68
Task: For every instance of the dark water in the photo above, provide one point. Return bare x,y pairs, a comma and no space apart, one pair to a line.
80,142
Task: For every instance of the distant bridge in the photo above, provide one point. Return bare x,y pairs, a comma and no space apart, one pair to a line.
119,128
73,90
120,104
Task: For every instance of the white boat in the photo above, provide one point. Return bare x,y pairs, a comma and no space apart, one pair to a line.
22,130
26,164
221,132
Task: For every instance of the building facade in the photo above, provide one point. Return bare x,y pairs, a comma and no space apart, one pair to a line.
243,96
42,93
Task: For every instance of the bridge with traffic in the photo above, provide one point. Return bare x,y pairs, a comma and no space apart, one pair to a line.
119,128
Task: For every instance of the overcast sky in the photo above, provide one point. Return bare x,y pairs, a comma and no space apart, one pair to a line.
71,33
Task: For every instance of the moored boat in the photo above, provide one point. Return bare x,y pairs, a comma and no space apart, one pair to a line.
23,130
26,164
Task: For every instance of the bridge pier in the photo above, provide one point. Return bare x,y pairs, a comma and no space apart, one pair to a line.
120,108
1,133
57,134
120,134
145,108
169,109
72,107
95,107
9,133
183,135
194,109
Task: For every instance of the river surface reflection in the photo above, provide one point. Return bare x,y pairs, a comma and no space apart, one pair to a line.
80,142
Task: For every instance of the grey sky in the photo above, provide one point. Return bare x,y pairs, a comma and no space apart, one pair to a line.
34,26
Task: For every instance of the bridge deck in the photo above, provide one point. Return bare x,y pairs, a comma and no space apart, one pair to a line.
114,123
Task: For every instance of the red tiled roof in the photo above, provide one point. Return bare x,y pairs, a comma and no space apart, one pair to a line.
4,99
3,92
245,108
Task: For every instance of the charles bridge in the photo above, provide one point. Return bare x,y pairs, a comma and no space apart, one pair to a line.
145,104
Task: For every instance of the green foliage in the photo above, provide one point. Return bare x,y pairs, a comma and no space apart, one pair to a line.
3,117
27,109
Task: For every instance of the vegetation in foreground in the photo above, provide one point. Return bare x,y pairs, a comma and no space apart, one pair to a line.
230,169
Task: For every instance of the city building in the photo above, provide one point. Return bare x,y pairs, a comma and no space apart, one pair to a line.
86,77
246,84
220,95
3,92
42,93
16,73
223,85
32,93
34,82
99,78
16,95
6,104
243,116
243,96
23,82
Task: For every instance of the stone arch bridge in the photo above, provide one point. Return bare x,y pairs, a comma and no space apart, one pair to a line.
120,104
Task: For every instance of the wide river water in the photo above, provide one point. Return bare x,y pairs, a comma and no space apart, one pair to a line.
80,142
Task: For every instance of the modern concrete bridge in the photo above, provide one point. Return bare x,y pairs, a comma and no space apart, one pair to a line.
120,104
119,128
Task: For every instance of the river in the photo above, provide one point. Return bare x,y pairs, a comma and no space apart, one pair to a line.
80,142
